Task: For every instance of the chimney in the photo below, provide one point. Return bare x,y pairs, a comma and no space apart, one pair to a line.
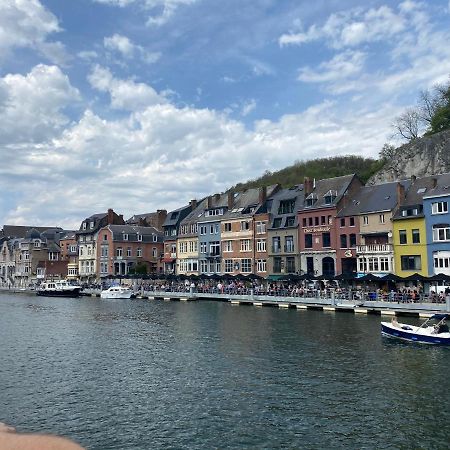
230,200
433,183
262,194
193,204
400,194
307,186
110,216
209,202
122,222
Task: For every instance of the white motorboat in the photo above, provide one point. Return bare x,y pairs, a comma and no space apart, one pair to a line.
58,289
117,292
426,333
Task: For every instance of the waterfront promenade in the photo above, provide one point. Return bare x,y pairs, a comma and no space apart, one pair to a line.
328,301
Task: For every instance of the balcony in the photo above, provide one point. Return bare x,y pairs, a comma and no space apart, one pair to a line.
374,248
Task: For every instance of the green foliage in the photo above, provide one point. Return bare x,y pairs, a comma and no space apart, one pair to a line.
440,120
138,269
318,169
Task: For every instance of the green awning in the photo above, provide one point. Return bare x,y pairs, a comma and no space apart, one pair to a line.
274,277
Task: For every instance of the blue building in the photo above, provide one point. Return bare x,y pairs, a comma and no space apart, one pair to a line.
436,208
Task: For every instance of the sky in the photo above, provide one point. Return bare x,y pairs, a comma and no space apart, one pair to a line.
139,105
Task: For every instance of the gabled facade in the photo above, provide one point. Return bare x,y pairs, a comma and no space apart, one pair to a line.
436,208
171,228
364,229
154,219
317,234
87,242
124,249
282,232
69,253
409,231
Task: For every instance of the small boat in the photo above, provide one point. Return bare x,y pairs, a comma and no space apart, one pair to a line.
58,289
433,331
117,292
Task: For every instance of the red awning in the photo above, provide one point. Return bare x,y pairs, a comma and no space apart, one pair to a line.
168,260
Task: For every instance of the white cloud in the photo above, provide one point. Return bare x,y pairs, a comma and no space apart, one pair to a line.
341,66
352,28
125,94
152,157
248,107
166,8
32,105
128,49
27,23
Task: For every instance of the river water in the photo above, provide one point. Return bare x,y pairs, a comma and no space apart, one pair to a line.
139,374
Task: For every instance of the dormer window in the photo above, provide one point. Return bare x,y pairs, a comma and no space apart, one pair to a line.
125,237
311,199
84,225
155,238
277,223
36,244
139,236
91,225
330,197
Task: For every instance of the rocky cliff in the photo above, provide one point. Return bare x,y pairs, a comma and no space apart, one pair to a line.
428,155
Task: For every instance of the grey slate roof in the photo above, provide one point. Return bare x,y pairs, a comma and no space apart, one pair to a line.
339,184
296,193
133,230
20,231
420,188
442,186
371,199
173,217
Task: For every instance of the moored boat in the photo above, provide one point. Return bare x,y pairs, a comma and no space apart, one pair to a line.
433,331
58,289
117,292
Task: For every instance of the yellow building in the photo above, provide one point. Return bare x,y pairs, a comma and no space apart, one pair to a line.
187,256
410,244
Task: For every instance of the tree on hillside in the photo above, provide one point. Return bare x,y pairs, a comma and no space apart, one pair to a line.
431,115
387,152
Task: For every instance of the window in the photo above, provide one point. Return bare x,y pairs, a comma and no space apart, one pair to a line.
290,264
326,240
316,221
214,248
214,212
119,252
194,229
228,265
227,246
441,232
352,240
290,221
304,222
104,251
289,244
402,237
411,262
155,237
381,218
227,227
154,252
276,223
439,208
415,236
202,230
73,249
373,264
365,220
260,245
323,220
276,244
211,229
277,264
343,238
139,236
260,227
362,265
261,265
330,197
286,206
245,245
352,221
91,225
245,226
203,247
84,225
308,240
246,265
203,266
384,264
125,237
128,252
310,221
311,199
139,252
342,221
441,263
36,244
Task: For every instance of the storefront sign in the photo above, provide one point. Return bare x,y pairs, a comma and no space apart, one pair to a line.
316,230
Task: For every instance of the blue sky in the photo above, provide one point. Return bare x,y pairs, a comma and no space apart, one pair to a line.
145,104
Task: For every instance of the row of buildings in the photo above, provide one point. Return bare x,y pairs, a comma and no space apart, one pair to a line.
325,227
